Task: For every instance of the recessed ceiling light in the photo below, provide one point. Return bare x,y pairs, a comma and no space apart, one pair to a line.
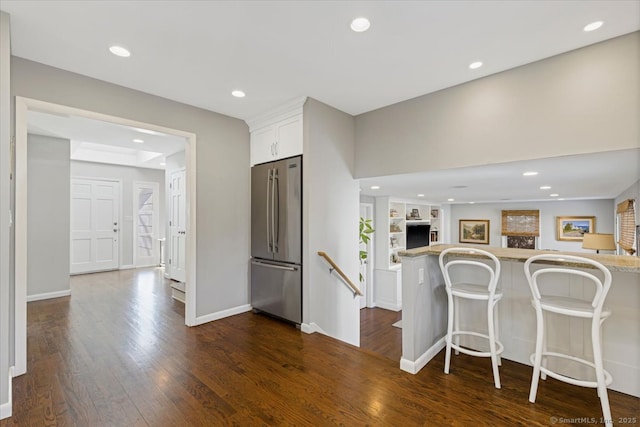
545,187
554,195
120,51
475,65
593,26
375,187
530,173
139,141
561,198
471,203
238,94
451,200
360,25
420,195
163,164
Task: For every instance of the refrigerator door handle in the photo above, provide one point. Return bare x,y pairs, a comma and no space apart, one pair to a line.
272,224
269,245
279,267
276,208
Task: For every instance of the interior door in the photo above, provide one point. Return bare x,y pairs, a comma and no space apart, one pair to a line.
366,267
146,203
177,226
95,208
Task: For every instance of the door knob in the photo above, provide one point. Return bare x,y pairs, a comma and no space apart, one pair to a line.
115,230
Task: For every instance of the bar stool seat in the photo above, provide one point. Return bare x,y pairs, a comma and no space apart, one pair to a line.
472,291
572,307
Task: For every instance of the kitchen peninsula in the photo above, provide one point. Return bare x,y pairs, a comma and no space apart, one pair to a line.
425,309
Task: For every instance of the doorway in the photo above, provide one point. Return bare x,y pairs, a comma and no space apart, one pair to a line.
366,266
146,201
22,107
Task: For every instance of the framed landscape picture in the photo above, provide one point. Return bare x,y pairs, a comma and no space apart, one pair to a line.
573,228
474,231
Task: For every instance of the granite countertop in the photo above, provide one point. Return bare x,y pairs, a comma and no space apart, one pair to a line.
612,262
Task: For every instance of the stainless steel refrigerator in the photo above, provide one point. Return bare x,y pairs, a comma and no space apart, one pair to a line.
276,238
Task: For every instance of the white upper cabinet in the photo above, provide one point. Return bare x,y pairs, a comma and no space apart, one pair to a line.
277,134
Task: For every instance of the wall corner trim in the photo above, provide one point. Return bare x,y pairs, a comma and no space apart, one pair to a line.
222,314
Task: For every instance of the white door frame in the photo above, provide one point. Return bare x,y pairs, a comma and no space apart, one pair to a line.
370,249
156,219
23,105
120,215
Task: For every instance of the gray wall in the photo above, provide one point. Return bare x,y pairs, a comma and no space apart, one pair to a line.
330,221
48,198
222,179
602,209
582,101
127,175
6,290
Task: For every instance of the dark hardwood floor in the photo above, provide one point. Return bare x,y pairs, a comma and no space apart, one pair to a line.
117,353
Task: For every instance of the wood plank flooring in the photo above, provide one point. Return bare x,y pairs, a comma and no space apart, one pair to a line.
117,353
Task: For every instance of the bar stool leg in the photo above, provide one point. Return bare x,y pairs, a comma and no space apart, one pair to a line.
456,325
543,360
597,359
447,357
538,356
492,344
496,320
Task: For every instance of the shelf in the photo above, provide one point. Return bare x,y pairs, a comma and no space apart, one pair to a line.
396,266
413,221
397,248
395,217
396,232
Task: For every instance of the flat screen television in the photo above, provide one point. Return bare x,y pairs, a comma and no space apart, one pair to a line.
417,235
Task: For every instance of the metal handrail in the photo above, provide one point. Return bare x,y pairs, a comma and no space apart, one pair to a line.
356,291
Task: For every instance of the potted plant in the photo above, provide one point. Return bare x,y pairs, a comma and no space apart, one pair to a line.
365,235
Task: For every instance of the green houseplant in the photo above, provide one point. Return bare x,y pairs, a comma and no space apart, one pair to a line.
365,235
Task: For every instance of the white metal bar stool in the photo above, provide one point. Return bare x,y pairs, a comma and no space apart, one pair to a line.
570,307
472,291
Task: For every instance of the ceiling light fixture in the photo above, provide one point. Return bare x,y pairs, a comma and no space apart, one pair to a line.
554,195
420,195
139,141
471,203
238,94
530,173
120,51
375,187
360,25
545,187
475,65
593,26
163,164
451,200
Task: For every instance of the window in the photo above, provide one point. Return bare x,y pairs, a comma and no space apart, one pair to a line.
627,225
521,228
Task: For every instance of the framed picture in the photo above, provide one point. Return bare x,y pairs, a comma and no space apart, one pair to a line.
474,231
434,213
572,228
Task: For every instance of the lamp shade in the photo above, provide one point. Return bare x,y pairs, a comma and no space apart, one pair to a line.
599,241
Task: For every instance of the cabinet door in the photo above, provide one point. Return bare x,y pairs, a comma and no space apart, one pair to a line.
289,137
263,145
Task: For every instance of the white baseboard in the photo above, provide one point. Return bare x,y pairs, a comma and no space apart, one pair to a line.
127,267
222,314
166,275
49,295
311,328
414,367
6,408
388,306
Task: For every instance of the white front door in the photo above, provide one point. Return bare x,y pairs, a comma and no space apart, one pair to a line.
177,226
145,201
95,209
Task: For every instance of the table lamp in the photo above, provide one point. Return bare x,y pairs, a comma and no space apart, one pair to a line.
599,241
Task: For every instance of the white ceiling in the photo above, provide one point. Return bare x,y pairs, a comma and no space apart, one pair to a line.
589,176
198,52
102,142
